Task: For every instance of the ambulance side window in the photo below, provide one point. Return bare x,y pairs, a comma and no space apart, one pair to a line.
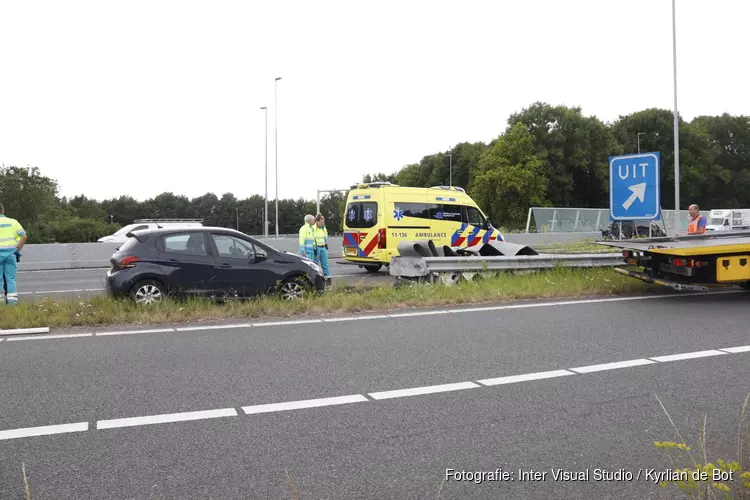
450,213
417,210
474,217
360,215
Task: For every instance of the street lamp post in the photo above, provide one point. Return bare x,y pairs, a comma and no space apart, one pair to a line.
276,148
450,169
639,141
265,184
676,128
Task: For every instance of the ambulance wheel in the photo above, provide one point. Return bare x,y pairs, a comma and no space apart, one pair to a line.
373,268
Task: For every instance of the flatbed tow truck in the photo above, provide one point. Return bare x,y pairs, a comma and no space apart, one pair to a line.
689,262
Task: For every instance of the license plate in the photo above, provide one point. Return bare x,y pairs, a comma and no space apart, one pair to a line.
351,251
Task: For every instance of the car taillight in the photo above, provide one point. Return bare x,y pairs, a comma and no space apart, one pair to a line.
128,261
381,238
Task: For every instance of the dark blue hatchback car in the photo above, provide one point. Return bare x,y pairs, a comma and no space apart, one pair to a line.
207,262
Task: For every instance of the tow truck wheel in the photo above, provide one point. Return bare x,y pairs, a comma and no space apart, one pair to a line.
373,268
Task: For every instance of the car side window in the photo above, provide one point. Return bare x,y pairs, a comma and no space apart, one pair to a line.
230,247
185,244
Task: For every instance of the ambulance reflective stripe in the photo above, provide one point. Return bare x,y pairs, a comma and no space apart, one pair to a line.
469,236
363,246
473,238
457,239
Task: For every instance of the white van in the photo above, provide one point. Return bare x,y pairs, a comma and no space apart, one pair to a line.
728,220
140,224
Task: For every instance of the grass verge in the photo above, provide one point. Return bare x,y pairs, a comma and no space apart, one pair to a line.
703,478
582,246
554,283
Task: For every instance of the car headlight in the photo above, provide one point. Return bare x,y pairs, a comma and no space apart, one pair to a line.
313,265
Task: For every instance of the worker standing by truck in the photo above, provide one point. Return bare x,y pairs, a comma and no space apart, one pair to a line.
12,239
697,223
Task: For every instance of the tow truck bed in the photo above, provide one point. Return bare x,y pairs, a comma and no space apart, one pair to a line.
689,262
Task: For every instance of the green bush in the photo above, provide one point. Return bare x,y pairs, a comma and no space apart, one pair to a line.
75,230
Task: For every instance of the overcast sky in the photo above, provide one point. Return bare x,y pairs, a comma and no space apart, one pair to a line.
143,97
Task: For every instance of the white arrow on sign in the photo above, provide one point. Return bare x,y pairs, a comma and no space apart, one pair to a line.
638,191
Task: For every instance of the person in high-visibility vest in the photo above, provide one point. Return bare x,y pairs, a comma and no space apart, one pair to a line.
321,245
12,239
697,223
307,238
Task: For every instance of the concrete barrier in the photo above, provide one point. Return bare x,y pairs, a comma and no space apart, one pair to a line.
56,256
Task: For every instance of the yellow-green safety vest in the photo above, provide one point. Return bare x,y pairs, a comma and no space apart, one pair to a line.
10,232
321,236
306,237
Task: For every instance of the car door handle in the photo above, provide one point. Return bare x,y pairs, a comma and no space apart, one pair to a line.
225,265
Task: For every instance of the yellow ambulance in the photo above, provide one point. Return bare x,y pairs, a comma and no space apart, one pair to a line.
379,215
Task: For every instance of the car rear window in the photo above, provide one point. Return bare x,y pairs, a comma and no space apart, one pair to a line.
362,214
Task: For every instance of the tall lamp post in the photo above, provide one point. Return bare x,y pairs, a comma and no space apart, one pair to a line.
676,128
639,141
450,169
276,149
265,184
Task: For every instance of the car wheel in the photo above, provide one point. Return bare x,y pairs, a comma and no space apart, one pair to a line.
373,268
293,289
148,292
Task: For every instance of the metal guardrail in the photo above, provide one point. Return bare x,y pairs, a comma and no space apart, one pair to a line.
417,267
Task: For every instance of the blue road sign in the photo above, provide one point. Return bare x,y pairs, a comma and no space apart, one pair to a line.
634,187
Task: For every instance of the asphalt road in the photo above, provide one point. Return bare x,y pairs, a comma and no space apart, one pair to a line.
62,284
379,444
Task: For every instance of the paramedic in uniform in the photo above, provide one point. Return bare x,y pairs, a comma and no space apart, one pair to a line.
307,238
12,239
697,223
321,245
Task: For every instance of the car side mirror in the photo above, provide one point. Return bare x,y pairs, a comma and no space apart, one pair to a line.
258,258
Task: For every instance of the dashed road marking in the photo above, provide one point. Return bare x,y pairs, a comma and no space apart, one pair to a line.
418,391
166,418
308,403
46,430
357,398
526,377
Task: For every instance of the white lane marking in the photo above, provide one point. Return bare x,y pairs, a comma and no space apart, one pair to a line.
59,336
23,331
308,403
612,366
76,270
166,418
736,350
412,314
46,292
584,302
1,339
687,355
512,379
418,391
134,332
211,327
44,430
354,318
285,323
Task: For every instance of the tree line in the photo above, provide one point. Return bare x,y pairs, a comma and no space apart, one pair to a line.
556,156
546,156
